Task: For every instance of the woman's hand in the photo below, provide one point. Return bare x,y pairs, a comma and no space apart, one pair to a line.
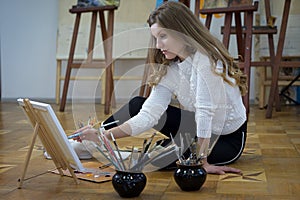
87,133
212,169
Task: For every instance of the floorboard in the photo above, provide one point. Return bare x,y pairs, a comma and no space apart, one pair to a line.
270,162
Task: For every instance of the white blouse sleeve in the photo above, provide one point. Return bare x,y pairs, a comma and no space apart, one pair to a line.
151,111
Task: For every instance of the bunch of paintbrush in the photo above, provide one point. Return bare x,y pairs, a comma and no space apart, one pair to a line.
150,153
110,151
156,156
192,159
137,159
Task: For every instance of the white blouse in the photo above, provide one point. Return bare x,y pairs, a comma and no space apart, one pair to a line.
217,105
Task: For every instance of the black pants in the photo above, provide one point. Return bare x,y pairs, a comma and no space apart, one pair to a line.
175,120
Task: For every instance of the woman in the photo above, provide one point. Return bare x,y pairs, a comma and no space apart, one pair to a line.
192,65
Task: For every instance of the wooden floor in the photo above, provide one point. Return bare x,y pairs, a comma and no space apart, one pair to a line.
270,163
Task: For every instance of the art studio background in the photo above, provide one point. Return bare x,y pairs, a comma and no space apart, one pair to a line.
35,34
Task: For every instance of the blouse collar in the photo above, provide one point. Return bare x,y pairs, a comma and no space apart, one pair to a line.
185,66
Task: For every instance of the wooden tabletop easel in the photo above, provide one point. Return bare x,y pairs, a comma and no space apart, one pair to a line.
107,33
43,131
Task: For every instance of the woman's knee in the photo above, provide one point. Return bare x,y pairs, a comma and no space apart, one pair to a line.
135,105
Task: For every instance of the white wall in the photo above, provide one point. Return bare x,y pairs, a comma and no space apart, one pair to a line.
28,41
28,48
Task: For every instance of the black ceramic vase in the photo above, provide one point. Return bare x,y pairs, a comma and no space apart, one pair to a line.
190,177
129,184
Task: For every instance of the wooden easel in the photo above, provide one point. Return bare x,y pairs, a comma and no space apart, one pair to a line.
107,33
277,63
244,40
41,129
244,37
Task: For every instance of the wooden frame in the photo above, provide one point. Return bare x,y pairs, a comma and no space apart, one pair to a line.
284,80
212,4
52,136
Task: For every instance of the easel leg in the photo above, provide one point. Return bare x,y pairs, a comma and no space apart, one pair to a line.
275,72
73,175
70,63
35,133
58,79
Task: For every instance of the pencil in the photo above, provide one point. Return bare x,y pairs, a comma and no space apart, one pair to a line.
118,151
112,162
74,135
78,132
149,143
110,123
105,143
130,158
103,125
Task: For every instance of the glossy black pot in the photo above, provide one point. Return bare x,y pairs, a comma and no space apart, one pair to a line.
190,177
129,184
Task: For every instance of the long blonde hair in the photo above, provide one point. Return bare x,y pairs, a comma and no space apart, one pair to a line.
177,17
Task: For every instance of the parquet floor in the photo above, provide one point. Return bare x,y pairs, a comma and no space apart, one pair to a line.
270,162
